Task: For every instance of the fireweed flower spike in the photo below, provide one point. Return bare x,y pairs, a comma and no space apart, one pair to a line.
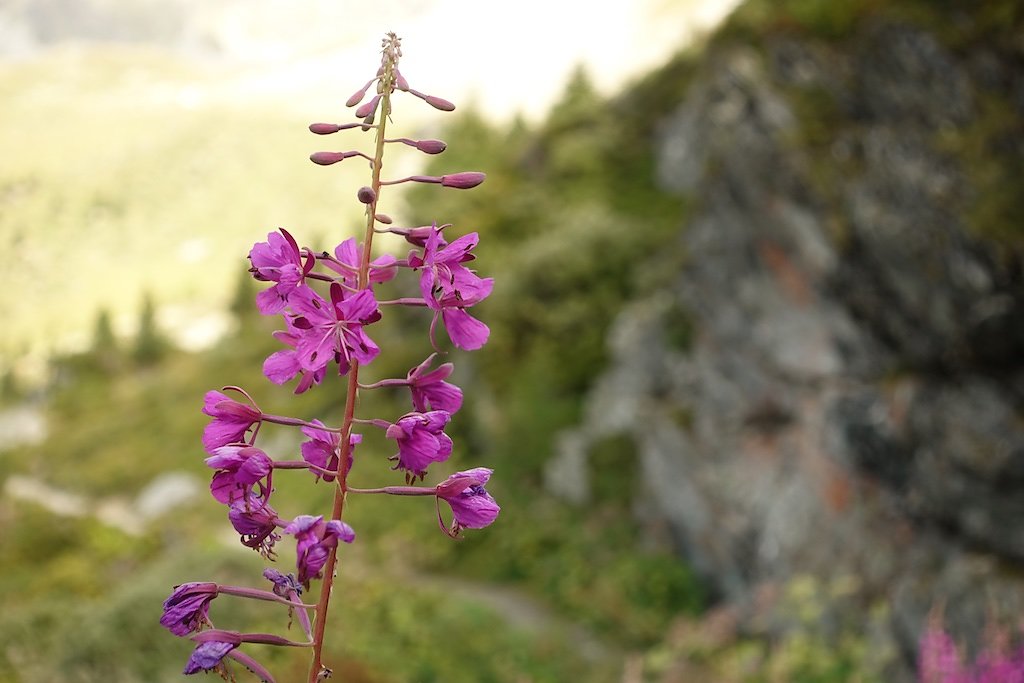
327,301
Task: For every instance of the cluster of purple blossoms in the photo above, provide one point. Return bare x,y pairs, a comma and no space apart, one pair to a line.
328,304
941,661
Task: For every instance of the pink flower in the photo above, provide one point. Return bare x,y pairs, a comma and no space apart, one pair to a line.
278,260
323,449
256,522
282,366
239,469
430,391
347,259
231,420
449,288
333,330
472,506
314,540
421,441
209,654
187,608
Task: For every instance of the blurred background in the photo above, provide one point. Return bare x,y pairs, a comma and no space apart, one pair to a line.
754,385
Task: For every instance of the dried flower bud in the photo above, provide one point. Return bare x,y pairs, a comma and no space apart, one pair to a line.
324,128
366,195
358,95
430,146
464,180
367,109
383,218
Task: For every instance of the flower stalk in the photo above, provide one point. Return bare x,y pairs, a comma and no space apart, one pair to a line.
327,301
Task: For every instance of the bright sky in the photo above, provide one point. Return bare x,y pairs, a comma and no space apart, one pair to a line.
505,56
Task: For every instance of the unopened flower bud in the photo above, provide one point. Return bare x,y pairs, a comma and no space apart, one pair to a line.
383,218
400,81
430,146
368,108
328,158
366,195
464,180
435,102
358,95
324,128
439,103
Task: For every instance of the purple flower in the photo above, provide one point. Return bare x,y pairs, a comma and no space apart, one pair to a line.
209,654
333,330
314,540
472,506
239,468
349,257
324,449
187,608
256,522
421,441
282,366
284,584
278,260
430,391
231,420
448,287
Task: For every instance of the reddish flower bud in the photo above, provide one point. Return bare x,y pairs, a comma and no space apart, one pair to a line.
430,146
383,218
324,128
368,108
400,81
438,103
435,102
366,195
358,95
464,180
328,158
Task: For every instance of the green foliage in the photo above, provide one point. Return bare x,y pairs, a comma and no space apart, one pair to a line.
150,344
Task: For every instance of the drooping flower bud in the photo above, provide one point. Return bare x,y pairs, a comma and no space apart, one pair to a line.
358,95
368,108
435,102
366,195
324,128
400,81
439,103
430,146
383,218
464,180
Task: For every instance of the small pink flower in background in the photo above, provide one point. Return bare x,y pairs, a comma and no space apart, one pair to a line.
941,661
231,420
472,506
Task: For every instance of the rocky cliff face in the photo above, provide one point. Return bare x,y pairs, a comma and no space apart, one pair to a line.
831,388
